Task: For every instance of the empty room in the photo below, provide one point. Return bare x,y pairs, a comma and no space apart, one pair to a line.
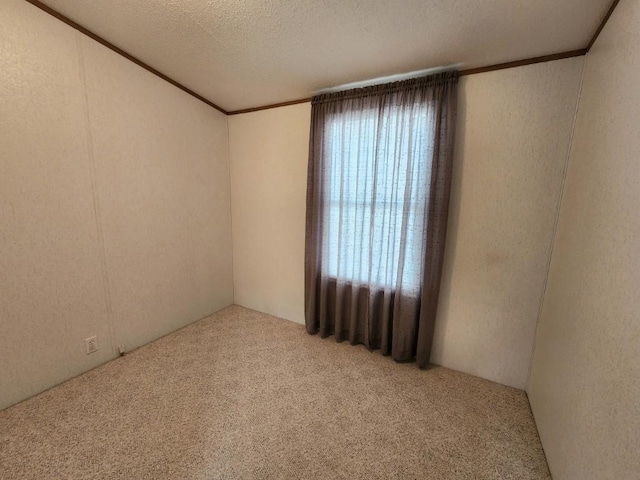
338,239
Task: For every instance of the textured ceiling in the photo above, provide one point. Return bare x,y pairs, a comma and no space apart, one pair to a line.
241,54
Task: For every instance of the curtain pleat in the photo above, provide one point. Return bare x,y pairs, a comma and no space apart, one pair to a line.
378,188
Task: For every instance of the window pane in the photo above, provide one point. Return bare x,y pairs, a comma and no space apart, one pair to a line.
376,181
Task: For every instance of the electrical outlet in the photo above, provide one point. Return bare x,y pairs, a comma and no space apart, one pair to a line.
92,344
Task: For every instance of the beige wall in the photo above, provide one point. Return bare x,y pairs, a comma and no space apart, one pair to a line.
162,173
114,204
512,144
268,154
585,380
513,140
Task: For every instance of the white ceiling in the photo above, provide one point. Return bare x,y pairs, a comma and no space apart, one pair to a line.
241,54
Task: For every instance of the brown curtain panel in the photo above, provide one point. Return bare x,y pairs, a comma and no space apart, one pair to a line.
377,199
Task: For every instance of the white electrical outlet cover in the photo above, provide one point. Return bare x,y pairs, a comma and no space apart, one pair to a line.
91,344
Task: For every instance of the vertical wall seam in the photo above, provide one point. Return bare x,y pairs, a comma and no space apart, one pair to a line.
96,199
233,269
556,221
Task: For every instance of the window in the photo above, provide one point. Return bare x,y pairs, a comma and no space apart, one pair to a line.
376,182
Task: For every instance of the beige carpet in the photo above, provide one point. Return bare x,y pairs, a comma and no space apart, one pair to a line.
243,395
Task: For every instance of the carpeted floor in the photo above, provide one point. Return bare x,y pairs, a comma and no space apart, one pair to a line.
244,395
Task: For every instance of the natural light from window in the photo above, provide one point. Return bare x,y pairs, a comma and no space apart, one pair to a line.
371,200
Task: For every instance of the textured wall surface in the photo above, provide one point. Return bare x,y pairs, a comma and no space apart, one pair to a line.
269,152
52,294
513,136
163,186
114,204
514,129
248,53
585,380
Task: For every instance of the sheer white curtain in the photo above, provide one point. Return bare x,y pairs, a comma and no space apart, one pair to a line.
378,167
